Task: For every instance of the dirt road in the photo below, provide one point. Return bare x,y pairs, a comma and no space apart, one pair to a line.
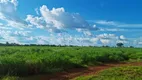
70,74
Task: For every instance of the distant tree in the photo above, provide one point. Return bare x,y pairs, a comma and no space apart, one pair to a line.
7,43
119,44
105,46
131,46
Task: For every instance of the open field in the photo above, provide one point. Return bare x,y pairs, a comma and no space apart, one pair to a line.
33,60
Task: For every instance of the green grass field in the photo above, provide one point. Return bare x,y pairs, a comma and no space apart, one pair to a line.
118,73
32,60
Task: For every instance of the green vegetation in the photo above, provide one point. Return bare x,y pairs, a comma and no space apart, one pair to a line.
30,60
120,73
10,78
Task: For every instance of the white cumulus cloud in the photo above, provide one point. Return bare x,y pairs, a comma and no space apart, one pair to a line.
57,19
8,13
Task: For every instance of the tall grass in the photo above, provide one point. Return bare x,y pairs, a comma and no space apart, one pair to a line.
21,61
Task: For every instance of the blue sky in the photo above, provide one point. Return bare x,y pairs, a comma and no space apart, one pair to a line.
74,22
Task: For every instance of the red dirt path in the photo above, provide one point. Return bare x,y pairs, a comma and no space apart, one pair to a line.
70,74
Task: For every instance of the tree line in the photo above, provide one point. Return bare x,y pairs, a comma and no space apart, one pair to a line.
16,44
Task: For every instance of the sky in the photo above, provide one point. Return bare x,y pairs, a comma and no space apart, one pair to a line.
71,22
